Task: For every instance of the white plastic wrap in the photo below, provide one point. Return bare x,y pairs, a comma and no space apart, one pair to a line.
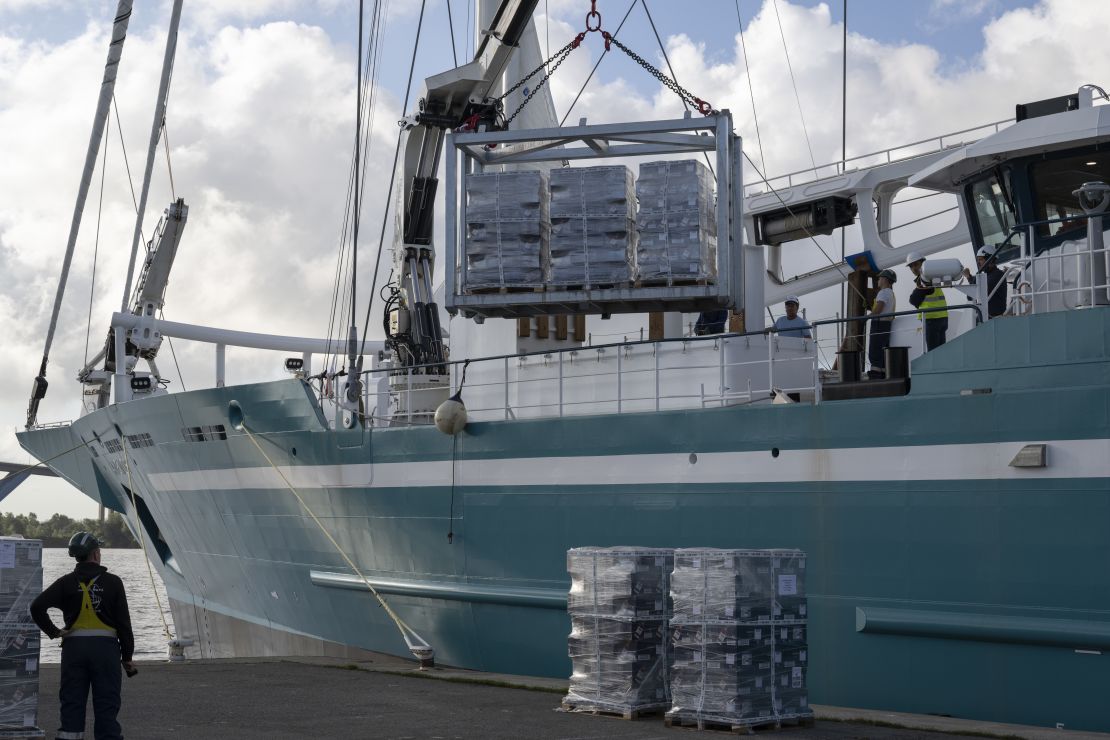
507,229
593,227
676,224
20,583
739,650
618,642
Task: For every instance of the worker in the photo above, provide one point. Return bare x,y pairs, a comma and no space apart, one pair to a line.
711,322
925,295
96,640
792,325
880,328
987,262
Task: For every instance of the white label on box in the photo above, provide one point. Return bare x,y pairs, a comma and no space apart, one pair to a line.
697,609
730,659
33,554
802,656
728,611
29,719
758,634
32,664
697,656
7,554
796,678
788,585
695,563
802,609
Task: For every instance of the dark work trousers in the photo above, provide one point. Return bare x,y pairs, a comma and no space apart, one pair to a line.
877,344
936,332
90,662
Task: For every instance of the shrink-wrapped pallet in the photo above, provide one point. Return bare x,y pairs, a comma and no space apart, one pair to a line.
593,227
739,650
20,583
507,230
619,607
676,224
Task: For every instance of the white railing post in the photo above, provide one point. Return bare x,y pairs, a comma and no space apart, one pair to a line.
620,369
655,348
721,368
561,383
221,351
771,363
506,372
816,368
408,398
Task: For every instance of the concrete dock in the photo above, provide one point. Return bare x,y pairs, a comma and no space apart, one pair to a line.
320,698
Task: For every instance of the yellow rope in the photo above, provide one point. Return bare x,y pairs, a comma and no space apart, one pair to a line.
405,630
142,542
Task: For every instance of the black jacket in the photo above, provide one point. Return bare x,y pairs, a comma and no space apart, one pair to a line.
65,594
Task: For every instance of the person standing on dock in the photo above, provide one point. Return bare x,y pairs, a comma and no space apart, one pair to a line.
880,328
926,295
96,640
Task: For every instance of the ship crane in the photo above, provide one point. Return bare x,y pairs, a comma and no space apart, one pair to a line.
144,339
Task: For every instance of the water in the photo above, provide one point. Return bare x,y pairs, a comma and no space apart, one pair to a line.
130,565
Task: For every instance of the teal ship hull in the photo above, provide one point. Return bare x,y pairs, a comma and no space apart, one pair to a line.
942,578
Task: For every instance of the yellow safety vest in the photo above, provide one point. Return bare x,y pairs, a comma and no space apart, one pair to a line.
88,624
935,300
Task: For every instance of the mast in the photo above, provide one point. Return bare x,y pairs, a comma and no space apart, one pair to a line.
107,88
155,132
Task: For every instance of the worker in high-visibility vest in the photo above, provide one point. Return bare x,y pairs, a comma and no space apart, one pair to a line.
96,641
926,295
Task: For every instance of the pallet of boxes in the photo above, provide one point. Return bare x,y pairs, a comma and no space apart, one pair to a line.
619,609
20,583
738,639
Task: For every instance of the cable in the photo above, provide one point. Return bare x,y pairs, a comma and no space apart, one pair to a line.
126,164
169,164
451,26
142,543
671,70
598,64
790,68
751,90
392,179
180,377
96,246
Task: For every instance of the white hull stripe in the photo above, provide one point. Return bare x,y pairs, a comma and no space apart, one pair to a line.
1084,458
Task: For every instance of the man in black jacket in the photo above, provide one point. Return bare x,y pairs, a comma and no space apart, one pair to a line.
97,640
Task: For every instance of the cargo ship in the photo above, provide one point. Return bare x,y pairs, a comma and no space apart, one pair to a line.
953,509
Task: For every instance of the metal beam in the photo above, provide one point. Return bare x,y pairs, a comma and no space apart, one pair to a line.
7,467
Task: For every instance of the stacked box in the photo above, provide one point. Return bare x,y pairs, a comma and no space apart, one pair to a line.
676,225
593,226
507,229
20,583
619,608
738,636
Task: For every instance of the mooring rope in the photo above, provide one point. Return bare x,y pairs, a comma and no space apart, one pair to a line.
417,644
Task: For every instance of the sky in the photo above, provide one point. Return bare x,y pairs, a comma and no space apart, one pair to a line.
261,119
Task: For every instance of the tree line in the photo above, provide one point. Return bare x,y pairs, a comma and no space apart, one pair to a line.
56,531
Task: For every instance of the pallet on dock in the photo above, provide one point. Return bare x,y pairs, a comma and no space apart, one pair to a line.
737,726
613,710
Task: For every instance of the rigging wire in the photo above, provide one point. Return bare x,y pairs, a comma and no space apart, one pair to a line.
96,246
751,89
597,64
670,69
169,164
126,163
794,83
180,377
451,27
392,179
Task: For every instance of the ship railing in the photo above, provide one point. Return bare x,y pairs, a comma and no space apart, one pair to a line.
624,377
1072,275
872,159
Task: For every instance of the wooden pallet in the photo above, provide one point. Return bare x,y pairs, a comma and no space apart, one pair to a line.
673,281
629,713
589,286
739,727
505,289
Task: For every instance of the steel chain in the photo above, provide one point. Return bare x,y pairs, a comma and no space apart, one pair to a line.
702,106
558,58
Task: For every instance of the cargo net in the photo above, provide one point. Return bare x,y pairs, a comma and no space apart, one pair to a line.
619,608
738,636
677,223
20,583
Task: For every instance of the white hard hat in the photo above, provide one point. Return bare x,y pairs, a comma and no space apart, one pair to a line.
985,252
914,257
793,299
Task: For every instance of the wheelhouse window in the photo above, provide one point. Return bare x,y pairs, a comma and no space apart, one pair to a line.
1053,181
993,208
